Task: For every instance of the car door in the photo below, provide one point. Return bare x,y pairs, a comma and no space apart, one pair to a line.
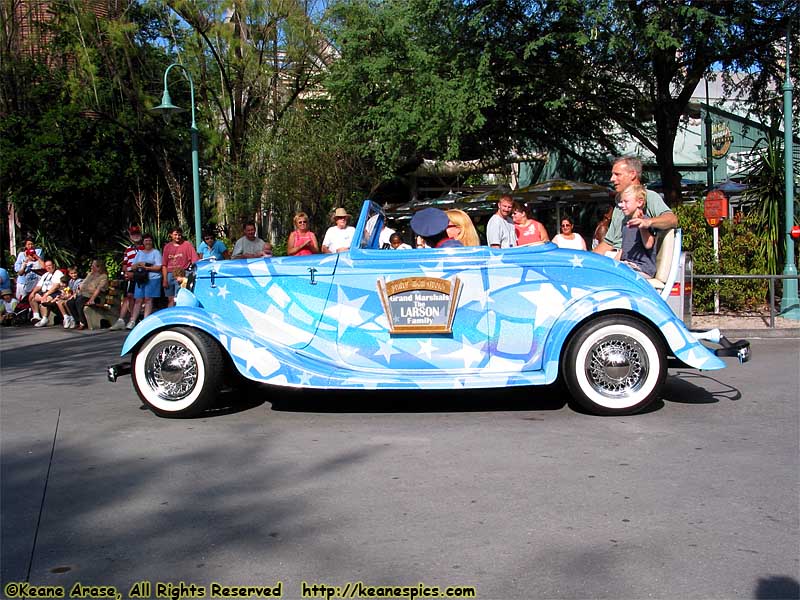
403,332
280,300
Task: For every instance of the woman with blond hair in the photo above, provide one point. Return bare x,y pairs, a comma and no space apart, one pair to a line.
461,228
302,240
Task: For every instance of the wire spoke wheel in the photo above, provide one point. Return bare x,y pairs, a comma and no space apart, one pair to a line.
177,372
614,365
172,370
617,366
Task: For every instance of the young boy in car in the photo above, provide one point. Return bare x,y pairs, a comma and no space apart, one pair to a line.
638,241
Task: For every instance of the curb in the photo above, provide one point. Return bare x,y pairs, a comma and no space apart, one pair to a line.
737,334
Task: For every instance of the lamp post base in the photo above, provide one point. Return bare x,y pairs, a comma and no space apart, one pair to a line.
790,303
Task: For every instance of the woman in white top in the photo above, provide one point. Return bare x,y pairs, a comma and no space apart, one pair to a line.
568,238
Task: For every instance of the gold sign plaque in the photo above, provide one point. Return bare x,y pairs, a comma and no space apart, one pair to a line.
721,139
420,304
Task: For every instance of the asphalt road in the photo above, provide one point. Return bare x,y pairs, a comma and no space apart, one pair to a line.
509,491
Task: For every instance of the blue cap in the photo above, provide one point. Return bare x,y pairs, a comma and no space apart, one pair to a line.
429,222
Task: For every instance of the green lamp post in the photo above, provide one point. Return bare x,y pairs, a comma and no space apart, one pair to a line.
790,304
167,109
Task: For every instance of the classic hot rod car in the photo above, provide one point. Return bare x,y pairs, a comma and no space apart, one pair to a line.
368,318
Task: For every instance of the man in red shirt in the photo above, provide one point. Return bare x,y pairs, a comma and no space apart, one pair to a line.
178,254
128,285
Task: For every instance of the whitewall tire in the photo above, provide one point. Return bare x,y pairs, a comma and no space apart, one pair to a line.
614,365
177,372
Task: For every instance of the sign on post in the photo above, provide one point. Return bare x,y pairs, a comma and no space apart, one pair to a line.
715,208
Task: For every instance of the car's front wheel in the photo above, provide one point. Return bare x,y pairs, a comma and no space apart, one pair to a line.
614,365
177,372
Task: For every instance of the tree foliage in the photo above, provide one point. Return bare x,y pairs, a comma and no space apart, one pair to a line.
484,78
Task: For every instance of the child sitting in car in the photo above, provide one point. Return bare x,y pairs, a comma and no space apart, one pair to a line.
638,241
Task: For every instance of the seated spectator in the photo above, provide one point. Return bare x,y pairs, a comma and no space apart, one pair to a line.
248,246
396,242
461,228
568,238
68,292
638,240
8,306
302,241
212,248
45,293
431,224
147,275
89,292
28,262
528,230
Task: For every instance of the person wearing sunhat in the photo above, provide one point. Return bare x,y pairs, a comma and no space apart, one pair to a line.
338,237
8,304
431,225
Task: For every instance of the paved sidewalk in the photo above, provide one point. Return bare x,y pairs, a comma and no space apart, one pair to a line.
748,325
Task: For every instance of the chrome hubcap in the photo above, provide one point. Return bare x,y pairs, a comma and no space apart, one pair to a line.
171,371
617,366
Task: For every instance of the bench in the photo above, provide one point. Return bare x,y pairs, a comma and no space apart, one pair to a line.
668,256
100,316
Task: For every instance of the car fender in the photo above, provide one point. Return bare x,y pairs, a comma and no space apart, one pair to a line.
680,341
253,358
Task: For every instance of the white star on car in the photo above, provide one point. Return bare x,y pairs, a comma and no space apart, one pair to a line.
469,352
386,350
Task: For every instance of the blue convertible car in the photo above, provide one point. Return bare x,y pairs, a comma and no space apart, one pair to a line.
471,317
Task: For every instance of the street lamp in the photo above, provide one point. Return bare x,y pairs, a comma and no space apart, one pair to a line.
790,304
167,109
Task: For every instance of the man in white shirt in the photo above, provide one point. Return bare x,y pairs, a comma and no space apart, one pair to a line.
339,237
45,292
500,231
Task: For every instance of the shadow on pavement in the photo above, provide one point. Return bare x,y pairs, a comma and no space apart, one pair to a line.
548,398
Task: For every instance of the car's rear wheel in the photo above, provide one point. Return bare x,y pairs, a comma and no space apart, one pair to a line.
614,365
178,372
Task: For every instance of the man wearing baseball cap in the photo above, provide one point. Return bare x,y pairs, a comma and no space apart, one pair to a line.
128,286
431,225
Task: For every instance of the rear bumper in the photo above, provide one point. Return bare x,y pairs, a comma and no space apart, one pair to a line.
739,349
118,370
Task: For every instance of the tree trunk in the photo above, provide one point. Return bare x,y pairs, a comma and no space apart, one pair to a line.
666,130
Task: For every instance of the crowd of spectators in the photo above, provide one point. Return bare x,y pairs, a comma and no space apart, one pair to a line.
149,274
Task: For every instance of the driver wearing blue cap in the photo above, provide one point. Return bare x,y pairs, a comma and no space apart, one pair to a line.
431,225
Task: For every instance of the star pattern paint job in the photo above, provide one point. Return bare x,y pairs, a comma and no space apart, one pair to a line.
386,351
318,321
